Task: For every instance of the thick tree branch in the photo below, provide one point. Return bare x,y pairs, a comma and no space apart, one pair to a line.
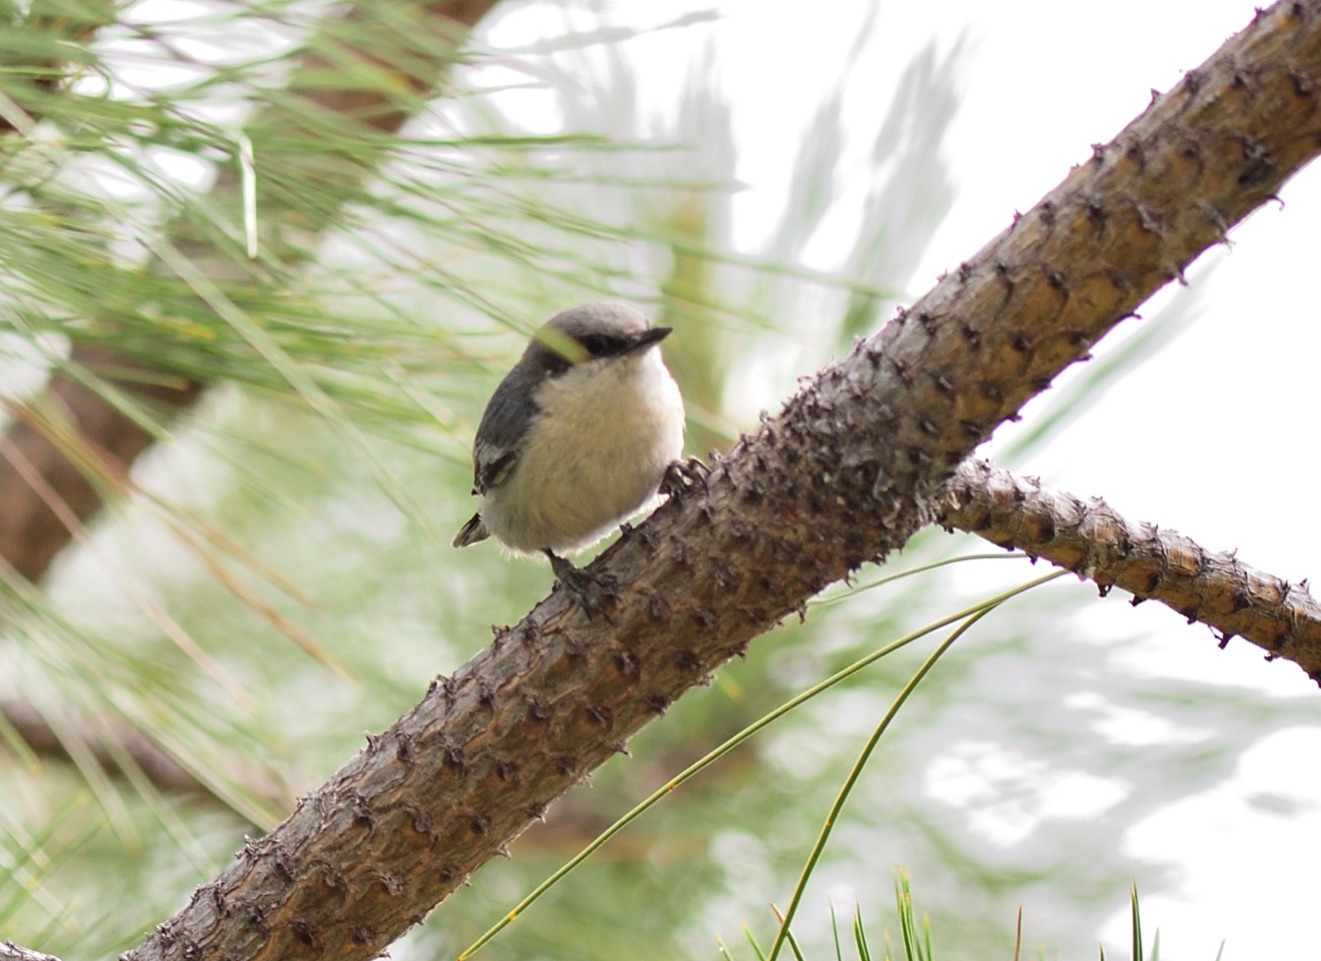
846,473
9,951
1092,540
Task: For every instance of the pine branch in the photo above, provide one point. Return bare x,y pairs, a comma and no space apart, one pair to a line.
1097,543
854,464
35,71
122,750
32,531
331,106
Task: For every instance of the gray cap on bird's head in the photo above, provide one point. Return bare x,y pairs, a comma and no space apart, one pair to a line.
590,331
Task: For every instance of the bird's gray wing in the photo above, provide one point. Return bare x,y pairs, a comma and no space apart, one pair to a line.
508,416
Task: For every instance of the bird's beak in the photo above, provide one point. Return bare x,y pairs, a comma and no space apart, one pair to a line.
652,335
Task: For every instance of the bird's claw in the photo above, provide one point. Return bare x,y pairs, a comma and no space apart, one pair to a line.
681,476
588,589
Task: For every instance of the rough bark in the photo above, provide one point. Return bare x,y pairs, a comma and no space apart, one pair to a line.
9,951
848,470
1095,542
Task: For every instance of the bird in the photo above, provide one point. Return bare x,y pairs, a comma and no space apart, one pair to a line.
577,438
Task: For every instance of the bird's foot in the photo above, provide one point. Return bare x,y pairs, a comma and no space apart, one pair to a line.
590,590
681,476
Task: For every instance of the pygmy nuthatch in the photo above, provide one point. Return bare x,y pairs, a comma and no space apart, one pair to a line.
577,437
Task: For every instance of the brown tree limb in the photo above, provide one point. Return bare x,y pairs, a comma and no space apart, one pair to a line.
32,532
9,951
1097,543
851,467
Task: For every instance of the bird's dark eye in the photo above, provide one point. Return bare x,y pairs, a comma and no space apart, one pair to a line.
597,345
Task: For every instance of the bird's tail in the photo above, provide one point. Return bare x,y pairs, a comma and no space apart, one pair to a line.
471,532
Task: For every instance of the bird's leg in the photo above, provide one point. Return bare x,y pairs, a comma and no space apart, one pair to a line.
589,589
681,476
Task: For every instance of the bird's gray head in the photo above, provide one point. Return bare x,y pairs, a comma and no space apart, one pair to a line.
590,332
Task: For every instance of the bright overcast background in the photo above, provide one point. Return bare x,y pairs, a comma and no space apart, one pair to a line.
1214,436
1062,749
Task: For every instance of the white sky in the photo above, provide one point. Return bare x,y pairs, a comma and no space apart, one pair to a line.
1213,437
1042,82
